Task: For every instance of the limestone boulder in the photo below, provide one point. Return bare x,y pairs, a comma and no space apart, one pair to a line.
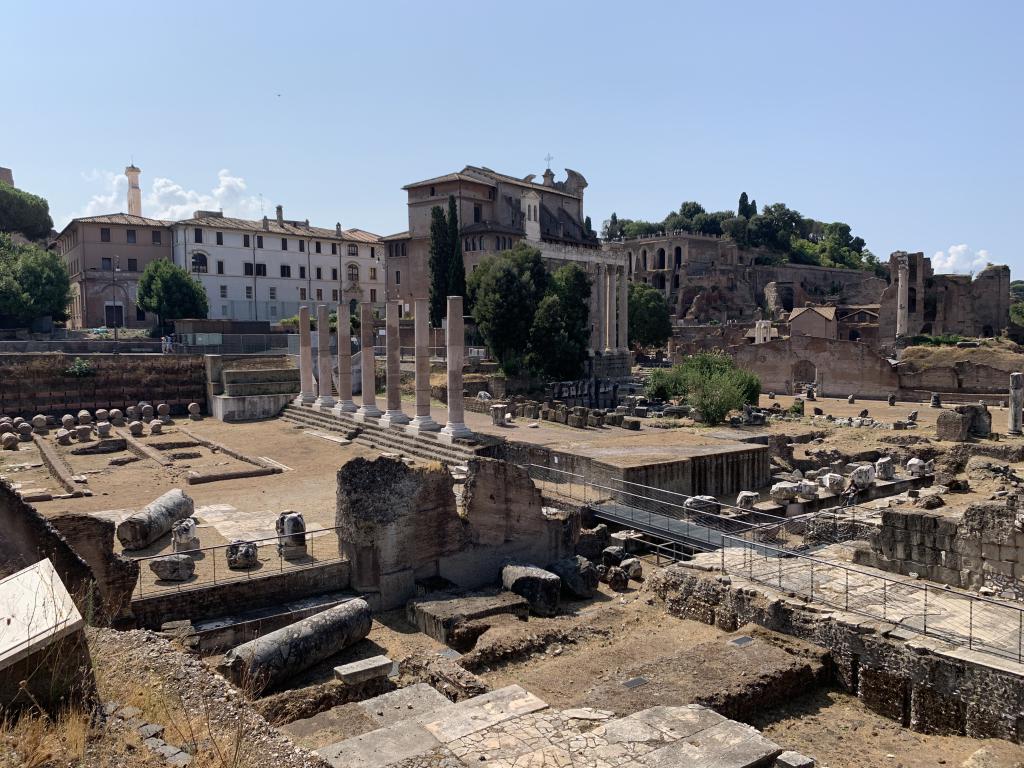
633,568
885,468
952,426
612,556
39,422
102,414
617,579
832,481
807,489
784,491
916,467
592,541
9,441
67,421
542,589
103,428
156,427
578,574
84,417
863,476
747,499
135,428
173,567
705,504
242,555
25,432
63,437
116,417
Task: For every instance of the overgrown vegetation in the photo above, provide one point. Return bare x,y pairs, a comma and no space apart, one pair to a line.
80,369
24,212
171,293
941,340
778,229
530,319
710,382
332,322
650,324
33,283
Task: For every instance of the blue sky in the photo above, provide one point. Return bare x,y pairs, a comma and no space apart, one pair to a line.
901,118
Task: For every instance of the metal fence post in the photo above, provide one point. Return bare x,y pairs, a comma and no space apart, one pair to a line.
847,595
925,626
812,581
884,593
970,625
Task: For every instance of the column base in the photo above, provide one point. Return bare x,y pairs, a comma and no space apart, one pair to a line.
1013,433
454,431
394,419
421,424
367,412
324,403
304,399
345,406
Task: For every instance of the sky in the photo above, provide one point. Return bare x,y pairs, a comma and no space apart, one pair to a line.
902,119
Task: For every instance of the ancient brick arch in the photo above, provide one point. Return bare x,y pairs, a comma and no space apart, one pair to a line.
804,372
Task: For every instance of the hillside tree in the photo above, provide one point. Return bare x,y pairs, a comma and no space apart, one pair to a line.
171,293
23,212
650,324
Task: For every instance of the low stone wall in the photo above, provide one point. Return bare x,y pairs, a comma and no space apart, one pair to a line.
899,676
37,383
243,594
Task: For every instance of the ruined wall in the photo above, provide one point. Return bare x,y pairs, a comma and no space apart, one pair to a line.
962,376
919,688
36,383
93,539
400,524
982,547
840,368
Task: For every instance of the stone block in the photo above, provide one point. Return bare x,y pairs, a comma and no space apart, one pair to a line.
612,556
790,759
952,426
363,670
578,575
542,589
173,567
631,423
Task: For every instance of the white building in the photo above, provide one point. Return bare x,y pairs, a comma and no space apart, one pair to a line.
265,269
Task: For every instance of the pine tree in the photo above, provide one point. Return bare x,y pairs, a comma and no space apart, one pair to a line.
456,266
439,252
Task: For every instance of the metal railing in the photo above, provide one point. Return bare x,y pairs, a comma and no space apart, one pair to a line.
321,547
959,618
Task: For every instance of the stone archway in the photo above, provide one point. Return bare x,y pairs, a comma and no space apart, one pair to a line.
804,372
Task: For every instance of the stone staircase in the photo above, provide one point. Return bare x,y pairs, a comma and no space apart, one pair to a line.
387,439
512,727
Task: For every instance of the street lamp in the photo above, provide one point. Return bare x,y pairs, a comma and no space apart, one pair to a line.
115,267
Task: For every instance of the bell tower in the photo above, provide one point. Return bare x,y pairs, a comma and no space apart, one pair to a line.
134,190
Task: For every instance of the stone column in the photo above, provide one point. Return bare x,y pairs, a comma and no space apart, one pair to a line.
344,404
455,427
307,393
369,407
325,371
623,311
610,325
597,299
902,297
422,422
1016,403
393,415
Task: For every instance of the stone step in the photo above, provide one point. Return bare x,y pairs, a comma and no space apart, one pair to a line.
424,731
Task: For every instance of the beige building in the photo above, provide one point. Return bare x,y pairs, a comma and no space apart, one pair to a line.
817,322
105,257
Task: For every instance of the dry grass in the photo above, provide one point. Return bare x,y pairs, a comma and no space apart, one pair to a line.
997,353
37,741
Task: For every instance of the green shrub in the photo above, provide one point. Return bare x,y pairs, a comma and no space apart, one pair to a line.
80,369
709,381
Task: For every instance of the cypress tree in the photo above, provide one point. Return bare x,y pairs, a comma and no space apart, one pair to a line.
438,263
456,267
743,209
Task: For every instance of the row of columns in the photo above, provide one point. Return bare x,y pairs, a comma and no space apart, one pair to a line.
455,427
609,309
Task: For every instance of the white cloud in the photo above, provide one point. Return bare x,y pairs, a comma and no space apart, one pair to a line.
960,258
166,199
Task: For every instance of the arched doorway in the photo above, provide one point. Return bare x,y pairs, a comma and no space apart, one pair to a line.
679,256
660,262
854,334
804,372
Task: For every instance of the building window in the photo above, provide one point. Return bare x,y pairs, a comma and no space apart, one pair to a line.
224,310
433,191
157,237
334,273
198,235
248,268
490,194
352,271
319,273
302,273
104,234
319,294
133,265
373,252
140,314
245,240
259,241
302,246
273,310
316,246
302,294
478,213
373,273
284,243
398,277
223,291
220,267
272,293
130,234
353,250
286,270
220,238
261,270
199,262
106,264
334,294
248,292
334,249
373,294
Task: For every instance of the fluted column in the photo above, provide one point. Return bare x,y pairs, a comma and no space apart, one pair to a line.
455,428
1016,403
610,322
307,393
344,404
623,311
902,297
324,368
369,407
393,415
597,298
422,422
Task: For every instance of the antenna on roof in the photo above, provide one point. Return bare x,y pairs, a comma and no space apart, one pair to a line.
548,158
